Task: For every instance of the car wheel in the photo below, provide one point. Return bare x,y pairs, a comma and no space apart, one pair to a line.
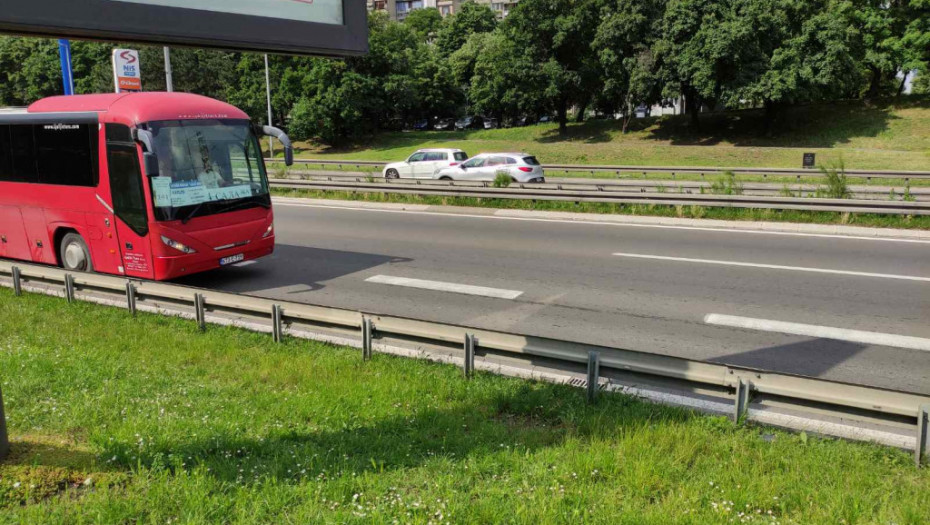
391,174
445,177
74,254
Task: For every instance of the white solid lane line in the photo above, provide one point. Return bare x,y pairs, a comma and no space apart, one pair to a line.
821,332
440,286
774,267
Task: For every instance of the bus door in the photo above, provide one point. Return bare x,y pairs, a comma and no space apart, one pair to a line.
128,197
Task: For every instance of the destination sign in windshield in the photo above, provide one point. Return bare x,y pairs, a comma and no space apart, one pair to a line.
319,11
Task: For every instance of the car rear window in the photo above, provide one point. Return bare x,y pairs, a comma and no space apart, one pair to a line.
531,161
460,156
435,156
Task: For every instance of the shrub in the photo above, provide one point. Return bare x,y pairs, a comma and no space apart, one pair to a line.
502,180
837,184
727,185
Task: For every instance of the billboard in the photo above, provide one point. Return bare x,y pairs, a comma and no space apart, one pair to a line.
127,70
309,27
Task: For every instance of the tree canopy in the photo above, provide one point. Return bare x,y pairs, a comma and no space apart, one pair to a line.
547,57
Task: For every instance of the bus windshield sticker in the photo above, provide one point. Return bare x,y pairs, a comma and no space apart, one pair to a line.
169,194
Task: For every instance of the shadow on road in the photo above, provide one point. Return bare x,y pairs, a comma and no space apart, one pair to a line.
300,269
809,358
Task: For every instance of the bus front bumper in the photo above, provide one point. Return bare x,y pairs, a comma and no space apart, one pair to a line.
171,267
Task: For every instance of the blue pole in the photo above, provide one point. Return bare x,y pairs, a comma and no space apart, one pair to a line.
64,53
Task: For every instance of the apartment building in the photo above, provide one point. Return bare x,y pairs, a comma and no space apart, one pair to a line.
399,9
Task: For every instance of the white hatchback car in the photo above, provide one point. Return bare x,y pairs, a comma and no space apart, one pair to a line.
424,163
521,167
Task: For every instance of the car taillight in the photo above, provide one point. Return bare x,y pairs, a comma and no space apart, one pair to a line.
524,169
453,163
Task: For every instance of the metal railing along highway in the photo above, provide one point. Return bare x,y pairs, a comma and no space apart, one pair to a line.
604,194
619,170
751,394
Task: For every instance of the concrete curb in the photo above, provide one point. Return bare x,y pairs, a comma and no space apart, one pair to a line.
633,220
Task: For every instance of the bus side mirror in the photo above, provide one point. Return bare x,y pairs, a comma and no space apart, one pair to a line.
146,138
151,164
285,141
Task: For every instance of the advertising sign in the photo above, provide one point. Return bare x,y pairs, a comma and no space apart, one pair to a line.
306,27
127,73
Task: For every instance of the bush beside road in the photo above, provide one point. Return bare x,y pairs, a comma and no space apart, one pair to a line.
115,419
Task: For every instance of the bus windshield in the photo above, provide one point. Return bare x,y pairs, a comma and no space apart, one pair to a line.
206,167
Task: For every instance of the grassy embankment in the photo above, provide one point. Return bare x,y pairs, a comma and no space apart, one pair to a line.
146,420
888,135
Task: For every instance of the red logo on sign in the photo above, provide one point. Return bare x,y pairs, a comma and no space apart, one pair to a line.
128,57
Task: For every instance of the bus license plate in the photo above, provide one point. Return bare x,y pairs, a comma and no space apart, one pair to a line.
232,259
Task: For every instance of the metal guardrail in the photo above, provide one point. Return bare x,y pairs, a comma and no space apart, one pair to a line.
627,185
620,169
522,191
298,319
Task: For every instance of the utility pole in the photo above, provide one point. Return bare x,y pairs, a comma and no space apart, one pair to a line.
64,55
169,80
268,97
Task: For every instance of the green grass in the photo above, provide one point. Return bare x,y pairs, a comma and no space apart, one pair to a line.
147,420
892,134
915,222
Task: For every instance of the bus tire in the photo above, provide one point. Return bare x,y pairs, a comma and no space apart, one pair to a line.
74,254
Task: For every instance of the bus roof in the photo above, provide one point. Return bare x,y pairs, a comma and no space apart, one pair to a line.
135,108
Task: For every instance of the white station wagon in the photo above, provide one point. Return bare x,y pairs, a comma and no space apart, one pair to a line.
521,167
424,163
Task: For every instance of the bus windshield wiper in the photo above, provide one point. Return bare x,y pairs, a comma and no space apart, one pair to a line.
193,212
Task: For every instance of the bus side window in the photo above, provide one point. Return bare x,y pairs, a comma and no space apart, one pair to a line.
23,150
126,179
66,154
6,154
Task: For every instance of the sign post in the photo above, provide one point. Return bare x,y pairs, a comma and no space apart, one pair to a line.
169,80
4,441
64,55
127,73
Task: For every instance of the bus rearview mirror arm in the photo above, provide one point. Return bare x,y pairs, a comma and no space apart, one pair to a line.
272,131
147,139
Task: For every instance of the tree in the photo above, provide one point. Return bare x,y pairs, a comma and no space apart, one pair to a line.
809,55
425,23
503,80
554,36
471,18
627,65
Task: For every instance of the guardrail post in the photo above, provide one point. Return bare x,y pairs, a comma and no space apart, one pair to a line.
4,440
69,287
921,450
741,405
470,344
17,281
131,297
367,333
200,311
594,374
277,331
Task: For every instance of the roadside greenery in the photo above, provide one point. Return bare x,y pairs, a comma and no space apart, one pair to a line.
546,58
115,419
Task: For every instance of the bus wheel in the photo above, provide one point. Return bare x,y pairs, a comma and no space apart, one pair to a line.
74,254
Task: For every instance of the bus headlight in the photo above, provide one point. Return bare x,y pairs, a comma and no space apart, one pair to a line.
176,245
269,231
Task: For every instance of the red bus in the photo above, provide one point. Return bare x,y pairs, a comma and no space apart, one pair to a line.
148,185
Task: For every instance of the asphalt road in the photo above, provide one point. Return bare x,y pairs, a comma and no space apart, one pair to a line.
566,280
